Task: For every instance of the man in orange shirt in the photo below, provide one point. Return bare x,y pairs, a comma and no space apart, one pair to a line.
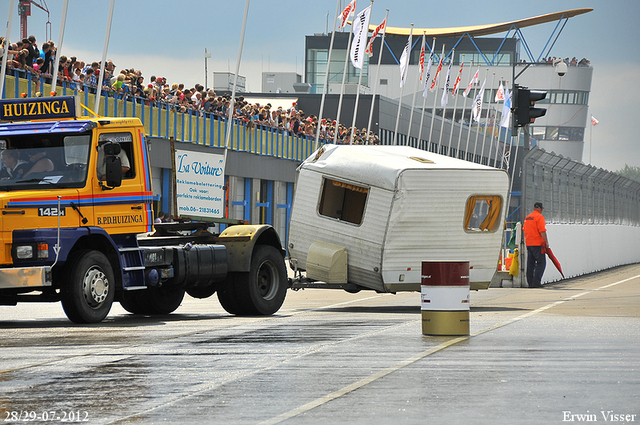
535,235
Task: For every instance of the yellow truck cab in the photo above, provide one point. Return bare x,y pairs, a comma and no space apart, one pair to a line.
77,224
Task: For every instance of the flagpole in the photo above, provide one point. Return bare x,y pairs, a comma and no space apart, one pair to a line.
445,92
495,162
375,82
475,145
63,21
3,72
455,108
395,131
424,98
435,97
104,58
590,135
413,102
326,78
344,77
506,135
464,107
355,108
227,137
471,115
484,136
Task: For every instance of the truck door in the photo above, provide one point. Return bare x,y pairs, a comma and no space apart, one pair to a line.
127,208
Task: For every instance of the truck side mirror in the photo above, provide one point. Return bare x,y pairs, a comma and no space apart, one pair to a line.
113,165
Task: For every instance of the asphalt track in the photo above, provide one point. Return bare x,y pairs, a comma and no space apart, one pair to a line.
568,352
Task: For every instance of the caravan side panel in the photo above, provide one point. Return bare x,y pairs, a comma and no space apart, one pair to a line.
427,224
363,242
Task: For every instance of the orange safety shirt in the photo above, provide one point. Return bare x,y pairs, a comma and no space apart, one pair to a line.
534,224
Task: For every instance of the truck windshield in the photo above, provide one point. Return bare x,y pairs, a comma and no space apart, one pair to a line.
37,161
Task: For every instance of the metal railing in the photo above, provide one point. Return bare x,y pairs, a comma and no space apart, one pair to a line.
163,120
575,193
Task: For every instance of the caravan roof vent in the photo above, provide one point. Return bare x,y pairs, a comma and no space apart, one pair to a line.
423,160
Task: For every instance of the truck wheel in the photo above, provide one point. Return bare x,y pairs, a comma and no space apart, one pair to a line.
262,290
131,301
89,287
227,292
202,291
162,300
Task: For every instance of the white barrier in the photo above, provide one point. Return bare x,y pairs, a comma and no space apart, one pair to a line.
583,249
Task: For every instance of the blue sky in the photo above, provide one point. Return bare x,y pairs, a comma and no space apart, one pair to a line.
161,38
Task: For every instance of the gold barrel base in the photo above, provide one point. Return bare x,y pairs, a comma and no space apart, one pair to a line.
445,322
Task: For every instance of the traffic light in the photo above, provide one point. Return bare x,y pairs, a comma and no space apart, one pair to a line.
524,111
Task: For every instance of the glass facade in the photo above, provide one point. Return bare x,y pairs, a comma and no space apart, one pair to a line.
316,63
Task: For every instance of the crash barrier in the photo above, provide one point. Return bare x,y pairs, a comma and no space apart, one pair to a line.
593,215
445,297
576,193
586,249
164,121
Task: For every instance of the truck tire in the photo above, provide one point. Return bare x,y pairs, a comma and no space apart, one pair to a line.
261,291
202,291
162,300
88,287
131,301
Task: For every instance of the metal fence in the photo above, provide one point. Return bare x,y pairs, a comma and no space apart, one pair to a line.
575,193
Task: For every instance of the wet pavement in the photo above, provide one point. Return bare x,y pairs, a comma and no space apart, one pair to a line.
568,352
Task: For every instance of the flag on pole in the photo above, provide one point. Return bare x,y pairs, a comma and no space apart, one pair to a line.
457,83
360,31
426,78
422,56
594,121
435,77
506,109
369,50
474,80
351,8
477,103
404,61
445,93
500,93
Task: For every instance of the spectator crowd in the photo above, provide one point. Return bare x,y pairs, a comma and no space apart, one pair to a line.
26,59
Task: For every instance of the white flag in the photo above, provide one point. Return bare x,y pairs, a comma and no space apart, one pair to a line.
594,121
404,60
477,103
351,8
360,31
499,93
445,94
426,78
379,28
474,80
506,108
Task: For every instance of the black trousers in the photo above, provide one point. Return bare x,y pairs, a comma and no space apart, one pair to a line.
536,263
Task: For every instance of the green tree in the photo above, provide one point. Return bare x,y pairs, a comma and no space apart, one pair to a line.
629,172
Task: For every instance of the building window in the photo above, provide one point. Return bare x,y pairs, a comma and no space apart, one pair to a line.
343,201
574,134
384,82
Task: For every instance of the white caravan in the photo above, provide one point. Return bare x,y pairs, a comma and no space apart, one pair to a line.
366,217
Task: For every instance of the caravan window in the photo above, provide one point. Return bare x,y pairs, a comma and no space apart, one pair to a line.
342,201
482,213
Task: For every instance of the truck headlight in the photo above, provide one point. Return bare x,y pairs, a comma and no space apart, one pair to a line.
39,250
24,252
